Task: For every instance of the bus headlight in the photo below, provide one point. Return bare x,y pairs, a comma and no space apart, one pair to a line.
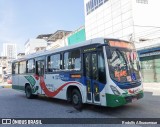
115,91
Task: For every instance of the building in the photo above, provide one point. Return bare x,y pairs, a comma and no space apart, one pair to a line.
3,67
20,55
77,36
3,62
58,39
133,20
10,50
34,45
9,54
150,63
44,36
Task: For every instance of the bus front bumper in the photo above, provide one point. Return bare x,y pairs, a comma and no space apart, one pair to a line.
115,101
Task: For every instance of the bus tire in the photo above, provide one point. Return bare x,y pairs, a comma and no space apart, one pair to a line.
28,92
77,99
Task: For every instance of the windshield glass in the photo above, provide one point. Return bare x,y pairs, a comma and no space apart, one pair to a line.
124,65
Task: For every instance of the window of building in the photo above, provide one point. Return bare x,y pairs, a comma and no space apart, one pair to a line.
87,7
100,2
30,66
22,67
96,3
105,1
72,60
15,68
54,63
92,4
142,1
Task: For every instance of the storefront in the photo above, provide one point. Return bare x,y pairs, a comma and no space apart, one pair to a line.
150,64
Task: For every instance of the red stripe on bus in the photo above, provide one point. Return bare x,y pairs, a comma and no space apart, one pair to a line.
54,93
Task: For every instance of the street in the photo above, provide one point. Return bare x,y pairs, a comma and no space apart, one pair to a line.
14,104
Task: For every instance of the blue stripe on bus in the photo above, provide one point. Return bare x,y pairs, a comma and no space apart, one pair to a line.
101,85
127,85
66,77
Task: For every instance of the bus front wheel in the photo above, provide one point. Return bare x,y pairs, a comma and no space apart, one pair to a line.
77,99
28,92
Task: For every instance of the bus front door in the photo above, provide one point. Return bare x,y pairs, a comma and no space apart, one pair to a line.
91,77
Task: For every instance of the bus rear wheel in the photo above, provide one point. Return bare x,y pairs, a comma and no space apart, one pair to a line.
28,92
77,99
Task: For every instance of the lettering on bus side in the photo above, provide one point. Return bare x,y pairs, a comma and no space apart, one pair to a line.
89,49
61,77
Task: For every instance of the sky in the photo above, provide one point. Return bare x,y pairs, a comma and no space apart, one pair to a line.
21,20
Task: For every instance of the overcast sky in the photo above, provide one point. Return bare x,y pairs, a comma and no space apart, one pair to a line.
24,19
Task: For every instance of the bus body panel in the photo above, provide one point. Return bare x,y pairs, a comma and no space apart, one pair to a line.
15,82
126,95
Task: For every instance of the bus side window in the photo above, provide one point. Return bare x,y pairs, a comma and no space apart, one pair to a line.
101,68
22,67
72,60
40,68
54,63
13,68
31,66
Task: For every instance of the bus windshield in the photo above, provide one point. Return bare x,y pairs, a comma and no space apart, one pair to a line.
124,65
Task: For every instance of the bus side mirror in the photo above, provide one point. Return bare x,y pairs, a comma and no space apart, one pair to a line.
109,54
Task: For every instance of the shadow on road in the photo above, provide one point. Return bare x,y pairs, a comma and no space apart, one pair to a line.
147,107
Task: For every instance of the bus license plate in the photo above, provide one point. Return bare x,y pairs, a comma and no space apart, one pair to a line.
134,99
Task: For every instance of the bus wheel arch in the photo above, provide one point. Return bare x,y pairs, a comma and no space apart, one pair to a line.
75,92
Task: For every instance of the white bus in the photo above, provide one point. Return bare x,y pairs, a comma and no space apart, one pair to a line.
100,71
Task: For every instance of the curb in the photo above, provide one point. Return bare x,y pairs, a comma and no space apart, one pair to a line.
7,86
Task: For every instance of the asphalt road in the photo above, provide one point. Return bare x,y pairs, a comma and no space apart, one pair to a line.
14,104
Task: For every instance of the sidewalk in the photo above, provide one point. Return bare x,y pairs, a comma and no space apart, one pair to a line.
5,85
154,88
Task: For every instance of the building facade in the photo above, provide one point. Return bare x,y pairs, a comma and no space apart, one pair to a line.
3,63
58,39
20,55
32,45
10,50
133,20
77,36
150,63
